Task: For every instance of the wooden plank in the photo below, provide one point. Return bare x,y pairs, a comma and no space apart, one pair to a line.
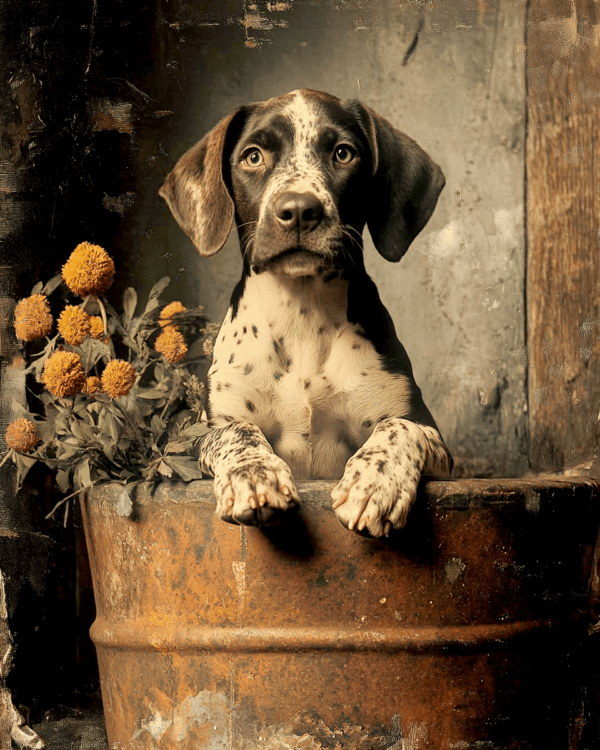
563,232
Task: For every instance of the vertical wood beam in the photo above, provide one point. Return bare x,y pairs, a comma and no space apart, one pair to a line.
563,232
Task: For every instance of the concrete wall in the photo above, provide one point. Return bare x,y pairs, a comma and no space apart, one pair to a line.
451,76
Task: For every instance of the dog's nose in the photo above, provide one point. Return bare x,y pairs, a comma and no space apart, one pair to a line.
300,212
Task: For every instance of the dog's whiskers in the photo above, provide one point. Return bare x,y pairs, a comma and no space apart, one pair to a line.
246,224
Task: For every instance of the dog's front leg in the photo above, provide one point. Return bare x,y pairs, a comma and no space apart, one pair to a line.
252,485
381,479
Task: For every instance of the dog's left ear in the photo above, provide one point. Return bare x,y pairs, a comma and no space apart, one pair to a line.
406,184
196,190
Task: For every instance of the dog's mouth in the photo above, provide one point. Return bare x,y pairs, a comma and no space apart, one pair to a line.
295,261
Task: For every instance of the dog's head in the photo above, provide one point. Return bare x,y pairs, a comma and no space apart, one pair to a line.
301,175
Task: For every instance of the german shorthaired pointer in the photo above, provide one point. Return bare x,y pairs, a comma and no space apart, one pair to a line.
308,378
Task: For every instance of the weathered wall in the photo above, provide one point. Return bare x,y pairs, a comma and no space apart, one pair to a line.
451,76
145,86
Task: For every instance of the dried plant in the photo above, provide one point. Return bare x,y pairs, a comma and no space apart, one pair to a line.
119,402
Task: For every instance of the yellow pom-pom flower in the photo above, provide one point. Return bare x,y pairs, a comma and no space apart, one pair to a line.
97,328
92,385
33,319
74,325
63,374
21,435
171,345
89,270
165,319
118,378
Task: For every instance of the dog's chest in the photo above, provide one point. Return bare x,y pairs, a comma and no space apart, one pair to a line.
307,378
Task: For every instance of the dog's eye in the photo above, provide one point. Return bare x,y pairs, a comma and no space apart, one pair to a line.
253,158
344,154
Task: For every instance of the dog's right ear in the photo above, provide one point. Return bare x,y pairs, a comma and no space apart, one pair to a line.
196,189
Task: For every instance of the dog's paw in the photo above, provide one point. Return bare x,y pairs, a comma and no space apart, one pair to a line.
256,492
380,481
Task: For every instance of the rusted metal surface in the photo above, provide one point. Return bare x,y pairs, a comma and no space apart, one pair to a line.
456,633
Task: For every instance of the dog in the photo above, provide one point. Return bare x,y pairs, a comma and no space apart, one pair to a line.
308,378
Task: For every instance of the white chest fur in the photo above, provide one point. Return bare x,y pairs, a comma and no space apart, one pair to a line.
291,363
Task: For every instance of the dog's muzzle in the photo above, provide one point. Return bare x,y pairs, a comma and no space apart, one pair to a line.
295,233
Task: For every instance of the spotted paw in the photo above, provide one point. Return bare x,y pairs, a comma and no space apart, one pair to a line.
380,481
256,492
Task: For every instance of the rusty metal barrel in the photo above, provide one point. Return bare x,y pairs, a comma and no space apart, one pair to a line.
456,633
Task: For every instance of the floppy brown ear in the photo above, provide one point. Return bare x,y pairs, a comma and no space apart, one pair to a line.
196,191
406,185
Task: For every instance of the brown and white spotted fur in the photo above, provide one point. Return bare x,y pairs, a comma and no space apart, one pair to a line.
308,378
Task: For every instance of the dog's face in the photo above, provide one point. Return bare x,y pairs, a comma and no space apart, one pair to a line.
301,174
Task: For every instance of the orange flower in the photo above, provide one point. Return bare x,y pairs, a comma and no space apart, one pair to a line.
97,328
89,270
171,345
63,374
32,318
92,385
21,435
166,316
118,378
74,325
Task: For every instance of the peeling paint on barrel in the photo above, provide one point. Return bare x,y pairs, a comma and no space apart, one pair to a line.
201,718
308,636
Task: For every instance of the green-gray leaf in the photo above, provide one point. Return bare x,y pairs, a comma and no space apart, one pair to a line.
129,304
51,285
155,293
185,466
